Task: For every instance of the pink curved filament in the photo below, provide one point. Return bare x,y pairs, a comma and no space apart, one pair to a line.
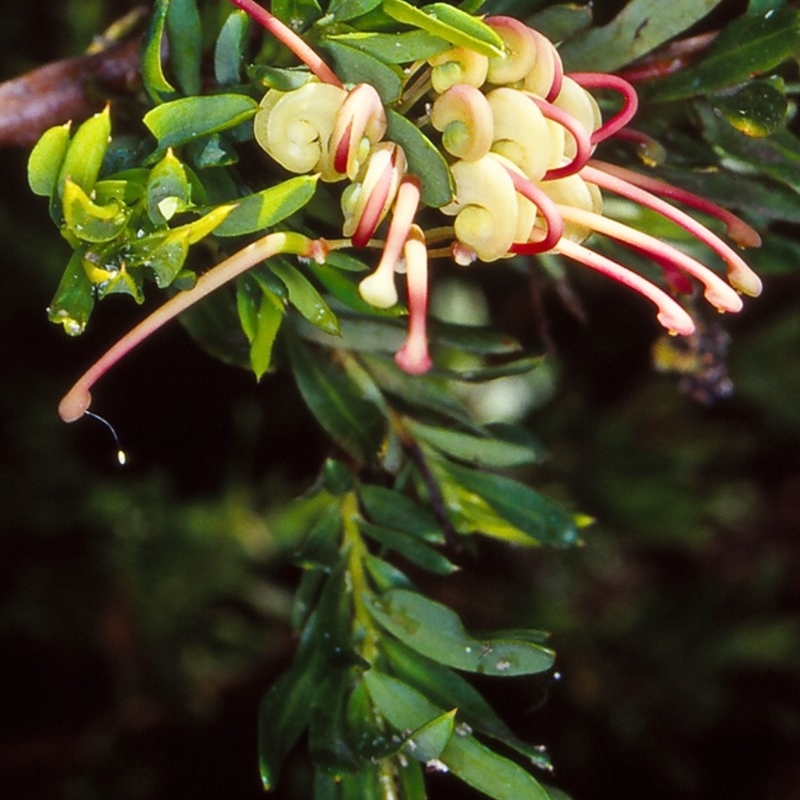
630,100
738,229
717,292
670,314
548,210
582,139
736,264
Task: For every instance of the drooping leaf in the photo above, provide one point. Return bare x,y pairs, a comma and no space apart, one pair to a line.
530,512
392,509
356,424
410,548
304,297
750,45
73,302
640,27
436,631
406,708
484,450
261,314
328,742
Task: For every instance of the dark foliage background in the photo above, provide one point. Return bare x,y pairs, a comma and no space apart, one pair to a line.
143,611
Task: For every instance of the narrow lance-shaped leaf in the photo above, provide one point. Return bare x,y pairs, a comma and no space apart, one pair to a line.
356,424
155,81
74,299
304,297
180,121
640,27
86,151
185,43
435,630
750,45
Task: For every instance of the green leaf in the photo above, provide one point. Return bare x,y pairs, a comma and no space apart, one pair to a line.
424,160
261,314
484,451
165,255
436,631
344,10
286,708
257,212
180,121
307,11
538,517
74,299
229,48
46,160
757,109
749,46
428,741
394,48
561,22
410,548
406,708
320,547
391,509
85,153
168,190
345,290
185,43
327,736
446,688
448,23
155,82
87,220
640,27
385,575
304,297
355,66
335,399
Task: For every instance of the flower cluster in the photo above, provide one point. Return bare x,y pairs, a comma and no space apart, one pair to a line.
519,136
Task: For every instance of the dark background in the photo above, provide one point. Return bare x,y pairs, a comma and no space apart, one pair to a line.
143,610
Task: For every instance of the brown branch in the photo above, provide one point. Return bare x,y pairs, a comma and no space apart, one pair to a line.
70,89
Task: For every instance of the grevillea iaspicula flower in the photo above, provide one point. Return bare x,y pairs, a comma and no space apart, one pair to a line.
519,135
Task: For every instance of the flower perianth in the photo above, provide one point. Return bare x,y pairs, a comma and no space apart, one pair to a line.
464,117
290,39
378,289
458,65
295,127
76,402
670,314
366,204
520,50
413,356
360,123
546,75
740,276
